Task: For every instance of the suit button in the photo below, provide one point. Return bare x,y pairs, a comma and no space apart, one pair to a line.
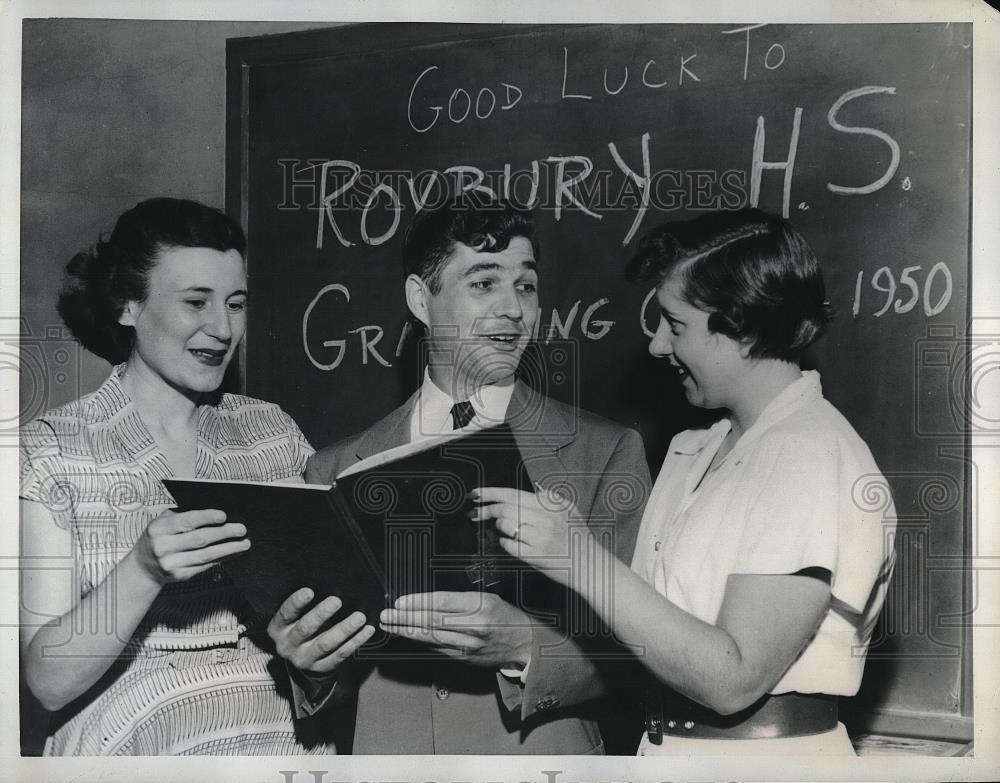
442,693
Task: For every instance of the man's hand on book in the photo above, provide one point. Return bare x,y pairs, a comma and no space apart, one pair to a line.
307,640
479,628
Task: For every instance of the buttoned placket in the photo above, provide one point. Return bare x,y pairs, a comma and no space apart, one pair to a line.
693,481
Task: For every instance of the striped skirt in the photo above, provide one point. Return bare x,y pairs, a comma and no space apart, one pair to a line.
230,700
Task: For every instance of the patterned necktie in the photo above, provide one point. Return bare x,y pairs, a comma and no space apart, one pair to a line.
461,414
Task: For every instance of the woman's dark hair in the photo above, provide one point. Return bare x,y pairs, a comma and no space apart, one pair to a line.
472,218
751,271
99,282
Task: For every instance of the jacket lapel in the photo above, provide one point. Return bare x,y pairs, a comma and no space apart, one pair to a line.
539,426
392,431
541,431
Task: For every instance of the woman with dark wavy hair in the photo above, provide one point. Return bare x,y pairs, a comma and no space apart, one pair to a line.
756,580
135,640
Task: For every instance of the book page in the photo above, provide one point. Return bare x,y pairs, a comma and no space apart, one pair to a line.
405,450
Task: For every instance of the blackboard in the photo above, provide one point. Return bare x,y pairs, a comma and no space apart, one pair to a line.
859,133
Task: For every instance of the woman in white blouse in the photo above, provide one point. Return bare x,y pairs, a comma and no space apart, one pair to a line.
758,574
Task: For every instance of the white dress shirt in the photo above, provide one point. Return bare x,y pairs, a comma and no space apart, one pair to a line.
432,412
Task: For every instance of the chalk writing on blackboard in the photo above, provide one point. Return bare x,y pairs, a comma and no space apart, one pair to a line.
933,291
367,337
460,103
884,281
772,60
831,116
341,189
438,96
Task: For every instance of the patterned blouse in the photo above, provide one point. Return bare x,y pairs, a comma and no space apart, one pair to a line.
195,678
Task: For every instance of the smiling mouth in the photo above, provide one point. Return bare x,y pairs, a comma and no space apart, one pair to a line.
682,374
209,356
505,339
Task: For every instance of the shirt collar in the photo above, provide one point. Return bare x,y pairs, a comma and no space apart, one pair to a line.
694,442
799,392
115,409
432,412
110,399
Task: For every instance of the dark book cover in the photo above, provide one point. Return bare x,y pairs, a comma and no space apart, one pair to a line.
392,525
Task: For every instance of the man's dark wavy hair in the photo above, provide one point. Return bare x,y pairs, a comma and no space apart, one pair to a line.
471,218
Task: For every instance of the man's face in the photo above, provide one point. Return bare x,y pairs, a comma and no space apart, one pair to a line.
481,319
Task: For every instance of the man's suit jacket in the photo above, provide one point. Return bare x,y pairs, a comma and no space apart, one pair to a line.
445,706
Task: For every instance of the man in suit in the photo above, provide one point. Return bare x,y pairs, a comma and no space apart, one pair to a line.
485,676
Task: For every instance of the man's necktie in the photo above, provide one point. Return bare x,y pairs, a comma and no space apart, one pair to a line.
461,414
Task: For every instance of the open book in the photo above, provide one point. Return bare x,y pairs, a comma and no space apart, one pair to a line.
393,524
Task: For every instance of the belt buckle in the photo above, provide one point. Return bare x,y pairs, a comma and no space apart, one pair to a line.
654,725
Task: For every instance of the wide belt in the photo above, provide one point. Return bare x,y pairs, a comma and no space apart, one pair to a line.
784,715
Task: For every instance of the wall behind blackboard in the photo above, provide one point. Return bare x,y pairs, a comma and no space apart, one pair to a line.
859,133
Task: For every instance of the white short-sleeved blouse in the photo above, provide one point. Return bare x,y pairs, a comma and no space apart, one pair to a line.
799,489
